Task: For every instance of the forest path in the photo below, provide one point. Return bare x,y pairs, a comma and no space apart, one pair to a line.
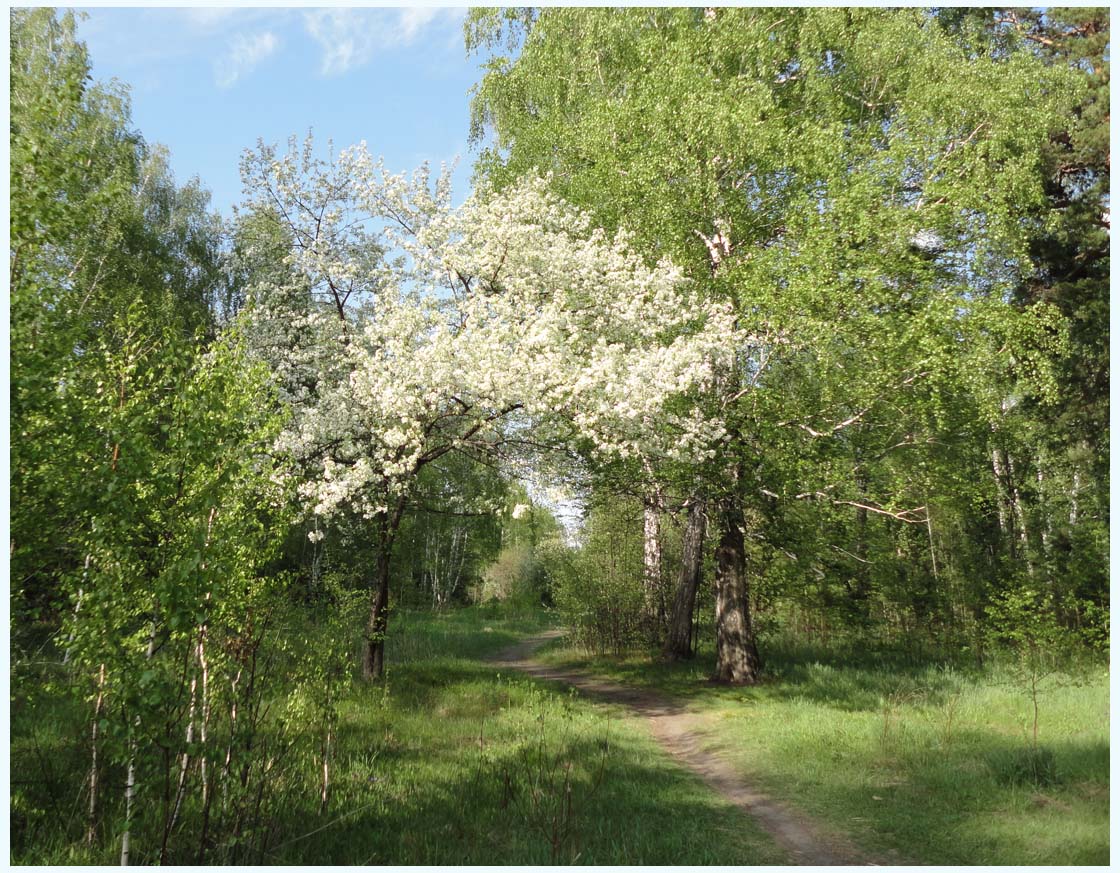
674,728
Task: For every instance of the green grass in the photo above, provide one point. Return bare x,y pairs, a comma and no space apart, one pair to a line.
448,762
442,768
456,761
919,764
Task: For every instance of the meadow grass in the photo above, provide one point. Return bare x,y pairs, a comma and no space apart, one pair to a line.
451,760
456,761
918,763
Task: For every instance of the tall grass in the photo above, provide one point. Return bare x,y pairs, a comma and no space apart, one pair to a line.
451,760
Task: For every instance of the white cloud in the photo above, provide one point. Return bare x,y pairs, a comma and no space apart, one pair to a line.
245,53
415,19
345,45
208,17
349,37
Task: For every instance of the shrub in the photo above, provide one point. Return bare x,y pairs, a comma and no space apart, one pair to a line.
515,577
602,609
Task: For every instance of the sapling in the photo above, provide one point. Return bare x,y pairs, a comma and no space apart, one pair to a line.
1023,623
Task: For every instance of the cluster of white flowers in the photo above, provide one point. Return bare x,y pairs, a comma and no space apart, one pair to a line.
431,326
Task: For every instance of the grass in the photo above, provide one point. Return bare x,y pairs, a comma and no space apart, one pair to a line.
457,764
454,761
447,762
916,763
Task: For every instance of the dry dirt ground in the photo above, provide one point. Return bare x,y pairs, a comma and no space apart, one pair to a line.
674,728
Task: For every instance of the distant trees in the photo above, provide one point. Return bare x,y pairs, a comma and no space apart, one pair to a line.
599,588
1052,458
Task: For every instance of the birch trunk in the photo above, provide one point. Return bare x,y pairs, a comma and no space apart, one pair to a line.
678,641
324,794
1019,514
91,826
130,778
184,764
1074,491
129,791
1002,501
651,560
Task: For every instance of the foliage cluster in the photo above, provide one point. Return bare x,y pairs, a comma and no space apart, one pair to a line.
148,505
598,588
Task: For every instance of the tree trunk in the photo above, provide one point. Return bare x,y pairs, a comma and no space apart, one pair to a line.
373,650
373,647
1019,514
98,708
678,642
130,778
1003,502
651,560
860,592
1075,489
737,660
1012,519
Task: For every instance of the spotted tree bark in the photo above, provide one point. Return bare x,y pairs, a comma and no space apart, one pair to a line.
654,604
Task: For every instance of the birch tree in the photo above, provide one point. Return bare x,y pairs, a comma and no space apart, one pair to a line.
854,182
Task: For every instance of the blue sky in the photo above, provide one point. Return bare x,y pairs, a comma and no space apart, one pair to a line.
208,81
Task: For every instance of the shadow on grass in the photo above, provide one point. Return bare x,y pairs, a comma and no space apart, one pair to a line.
437,767
970,802
789,674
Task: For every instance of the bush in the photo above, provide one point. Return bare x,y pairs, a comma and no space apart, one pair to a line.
515,577
603,610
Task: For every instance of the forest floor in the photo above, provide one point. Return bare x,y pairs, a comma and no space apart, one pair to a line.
471,752
674,726
453,759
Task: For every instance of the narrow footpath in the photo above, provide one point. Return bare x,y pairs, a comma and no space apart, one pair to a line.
673,726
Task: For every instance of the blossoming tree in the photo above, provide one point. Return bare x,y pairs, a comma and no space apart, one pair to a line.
405,329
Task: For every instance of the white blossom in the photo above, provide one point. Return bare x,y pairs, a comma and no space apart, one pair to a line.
408,328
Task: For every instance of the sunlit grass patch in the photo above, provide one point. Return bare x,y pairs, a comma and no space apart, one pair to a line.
923,763
450,760
464,762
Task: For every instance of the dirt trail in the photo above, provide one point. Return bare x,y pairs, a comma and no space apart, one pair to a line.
673,726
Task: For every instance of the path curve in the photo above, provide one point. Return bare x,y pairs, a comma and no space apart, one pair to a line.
673,726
